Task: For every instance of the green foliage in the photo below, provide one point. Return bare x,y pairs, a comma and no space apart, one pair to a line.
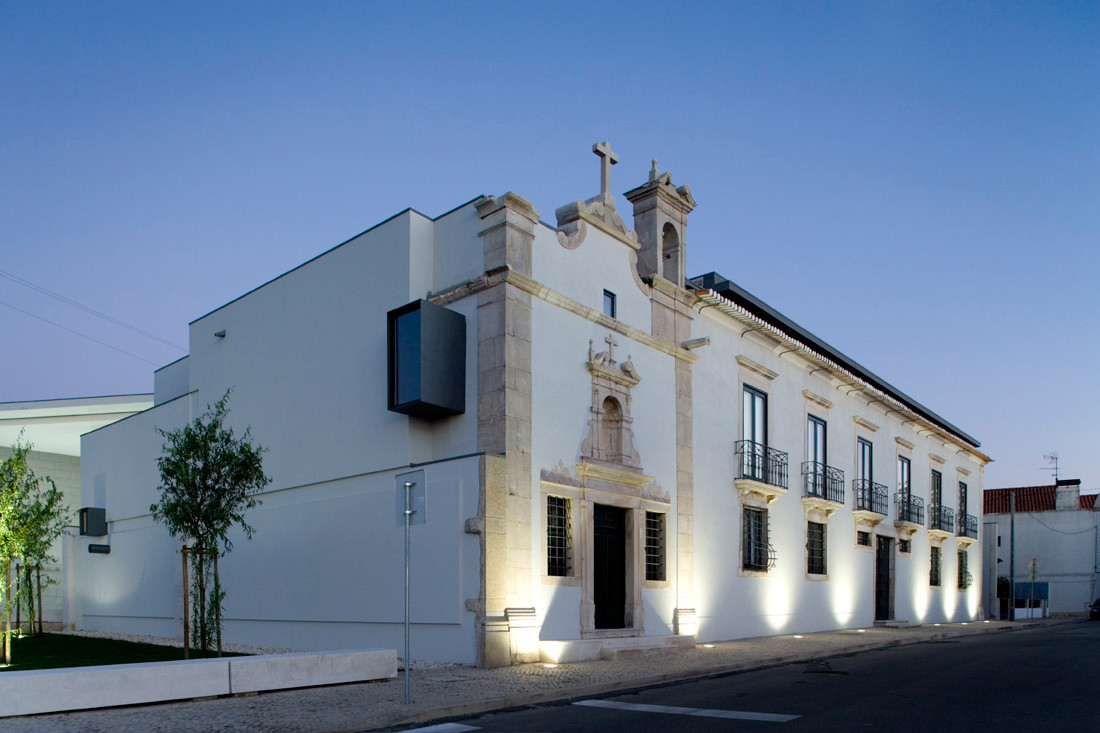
32,516
209,479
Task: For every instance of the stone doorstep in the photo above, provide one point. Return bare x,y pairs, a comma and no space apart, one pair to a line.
587,650
893,624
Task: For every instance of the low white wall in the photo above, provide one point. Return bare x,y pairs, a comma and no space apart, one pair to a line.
79,688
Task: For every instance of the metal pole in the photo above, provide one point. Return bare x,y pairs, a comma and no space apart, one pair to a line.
408,520
1012,556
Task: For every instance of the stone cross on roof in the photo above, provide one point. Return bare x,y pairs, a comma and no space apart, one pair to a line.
607,159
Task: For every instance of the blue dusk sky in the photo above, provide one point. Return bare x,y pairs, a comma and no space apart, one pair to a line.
915,183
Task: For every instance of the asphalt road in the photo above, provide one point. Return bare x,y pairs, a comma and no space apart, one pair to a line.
1045,679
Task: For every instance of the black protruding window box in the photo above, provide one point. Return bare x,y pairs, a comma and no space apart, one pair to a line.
427,360
93,521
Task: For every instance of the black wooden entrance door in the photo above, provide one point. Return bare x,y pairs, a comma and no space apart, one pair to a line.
609,561
883,555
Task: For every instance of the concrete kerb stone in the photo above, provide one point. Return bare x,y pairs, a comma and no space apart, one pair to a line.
478,707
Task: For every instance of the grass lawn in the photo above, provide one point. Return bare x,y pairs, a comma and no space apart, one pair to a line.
51,651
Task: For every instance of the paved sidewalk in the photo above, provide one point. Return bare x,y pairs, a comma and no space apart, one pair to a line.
447,691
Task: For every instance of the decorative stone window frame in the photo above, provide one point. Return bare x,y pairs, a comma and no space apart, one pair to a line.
823,520
866,520
757,503
938,586
759,377
817,407
960,514
905,530
578,521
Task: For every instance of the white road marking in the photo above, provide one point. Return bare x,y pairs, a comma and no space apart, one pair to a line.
444,728
699,712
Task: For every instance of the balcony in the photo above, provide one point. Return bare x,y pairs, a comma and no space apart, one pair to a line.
760,470
823,487
968,530
823,482
871,497
872,501
941,521
910,514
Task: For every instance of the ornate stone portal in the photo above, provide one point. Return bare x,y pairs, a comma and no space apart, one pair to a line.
608,481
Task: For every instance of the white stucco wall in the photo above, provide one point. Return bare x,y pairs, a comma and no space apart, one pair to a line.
732,604
306,358
1063,543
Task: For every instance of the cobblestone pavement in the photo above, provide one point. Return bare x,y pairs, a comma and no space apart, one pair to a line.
440,691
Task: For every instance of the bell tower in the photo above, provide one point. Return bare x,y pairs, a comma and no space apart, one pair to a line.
660,221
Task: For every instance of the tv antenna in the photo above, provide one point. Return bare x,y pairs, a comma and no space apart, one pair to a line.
1052,458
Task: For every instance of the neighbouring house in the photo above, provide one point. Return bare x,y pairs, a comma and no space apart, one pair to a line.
1057,538
600,452
53,427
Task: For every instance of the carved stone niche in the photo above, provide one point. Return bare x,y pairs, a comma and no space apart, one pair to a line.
610,438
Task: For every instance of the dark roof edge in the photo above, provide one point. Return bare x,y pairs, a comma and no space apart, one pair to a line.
740,296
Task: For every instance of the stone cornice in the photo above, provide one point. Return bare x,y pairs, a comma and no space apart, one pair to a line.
864,423
756,368
907,444
553,297
817,399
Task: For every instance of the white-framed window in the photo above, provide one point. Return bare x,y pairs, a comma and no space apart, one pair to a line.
756,551
609,304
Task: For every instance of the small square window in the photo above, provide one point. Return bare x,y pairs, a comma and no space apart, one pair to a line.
863,539
904,546
609,304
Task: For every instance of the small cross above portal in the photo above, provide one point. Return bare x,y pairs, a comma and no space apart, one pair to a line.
607,159
611,344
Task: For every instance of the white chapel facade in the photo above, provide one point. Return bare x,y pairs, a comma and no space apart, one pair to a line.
610,453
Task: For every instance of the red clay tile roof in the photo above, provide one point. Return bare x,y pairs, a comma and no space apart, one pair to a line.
1088,501
1028,499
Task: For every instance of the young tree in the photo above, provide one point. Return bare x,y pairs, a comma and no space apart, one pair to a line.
32,516
209,478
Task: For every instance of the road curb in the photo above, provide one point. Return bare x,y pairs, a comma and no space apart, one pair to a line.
478,707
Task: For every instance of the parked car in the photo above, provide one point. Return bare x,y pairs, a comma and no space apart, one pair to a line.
1094,610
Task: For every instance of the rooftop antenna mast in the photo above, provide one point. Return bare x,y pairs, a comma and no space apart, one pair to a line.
1052,457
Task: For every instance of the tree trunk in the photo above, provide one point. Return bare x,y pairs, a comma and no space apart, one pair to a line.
202,601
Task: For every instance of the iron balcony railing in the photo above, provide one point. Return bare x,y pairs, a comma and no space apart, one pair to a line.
823,481
871,497
758,462
941,517
968,526
759,556
910,508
